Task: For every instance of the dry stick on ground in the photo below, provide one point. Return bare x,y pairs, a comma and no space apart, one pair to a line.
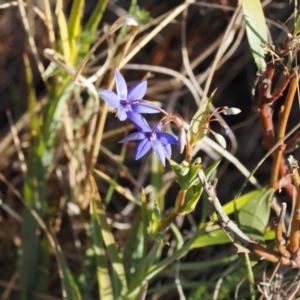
228,225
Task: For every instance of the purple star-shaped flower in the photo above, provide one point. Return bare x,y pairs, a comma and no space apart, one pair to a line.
159,141
125,101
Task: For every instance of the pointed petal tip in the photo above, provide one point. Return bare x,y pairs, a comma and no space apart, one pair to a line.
137,91
121,85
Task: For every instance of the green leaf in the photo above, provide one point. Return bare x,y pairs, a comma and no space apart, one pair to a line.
185,173
269,235
155,218
297,26
256,29
193,194
192,197
199,126
254,215
216,237
237,204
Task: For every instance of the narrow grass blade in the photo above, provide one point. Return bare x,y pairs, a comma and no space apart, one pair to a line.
54,111
118,188
34,122
85,280
96,16
70,288
139,255
155,268
29,254
43,277
118,272
118,168
103,278
63,30
74,26
256,29
34,194
250,276
130,258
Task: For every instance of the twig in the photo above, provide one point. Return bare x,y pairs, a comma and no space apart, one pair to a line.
266,113
224,220
280,241
293,245
283,118
228,225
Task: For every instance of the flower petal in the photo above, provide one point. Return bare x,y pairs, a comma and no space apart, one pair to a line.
159,150
158,127
168,151
138,121
110,97
143,147
137,91
166,138
133,137
144,108
121,85
122,114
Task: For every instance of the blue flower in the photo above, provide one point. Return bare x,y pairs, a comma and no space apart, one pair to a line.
157,140
125,101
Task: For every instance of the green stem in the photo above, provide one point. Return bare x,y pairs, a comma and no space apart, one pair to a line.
250,276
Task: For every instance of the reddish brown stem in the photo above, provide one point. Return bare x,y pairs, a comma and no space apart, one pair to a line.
295,226
266,113
273,256
283,118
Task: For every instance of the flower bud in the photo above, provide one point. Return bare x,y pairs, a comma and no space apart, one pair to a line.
181,139
225,129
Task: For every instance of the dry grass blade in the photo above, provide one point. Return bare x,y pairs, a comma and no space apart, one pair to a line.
136,48
223,45
41,296
31,39
178,76
49,23
129,20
